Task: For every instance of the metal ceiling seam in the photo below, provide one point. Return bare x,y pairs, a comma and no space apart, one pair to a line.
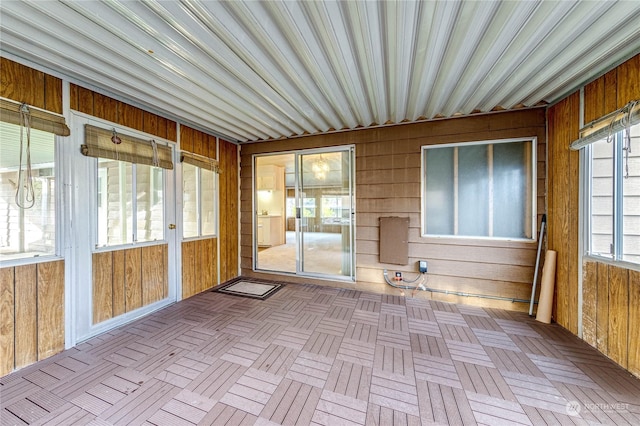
514,54
333,39
576,46
493,44
270,60
311,57
425,17
565,39
194,74
598,54
526,42
444,18
203,36
408,45
358,19
150,71
90,78
473,22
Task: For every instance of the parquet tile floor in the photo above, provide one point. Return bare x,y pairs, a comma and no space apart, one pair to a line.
324,356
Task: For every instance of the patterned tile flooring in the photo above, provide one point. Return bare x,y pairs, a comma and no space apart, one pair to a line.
325,356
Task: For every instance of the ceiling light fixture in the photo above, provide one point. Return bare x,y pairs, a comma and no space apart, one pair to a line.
320,168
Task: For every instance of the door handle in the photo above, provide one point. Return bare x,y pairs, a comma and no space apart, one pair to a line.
172,226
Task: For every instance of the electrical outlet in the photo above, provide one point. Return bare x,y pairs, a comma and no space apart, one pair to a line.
422,266
398,276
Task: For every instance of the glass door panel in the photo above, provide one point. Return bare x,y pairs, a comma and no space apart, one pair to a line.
325,212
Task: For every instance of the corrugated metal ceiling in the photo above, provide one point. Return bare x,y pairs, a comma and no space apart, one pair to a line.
255,70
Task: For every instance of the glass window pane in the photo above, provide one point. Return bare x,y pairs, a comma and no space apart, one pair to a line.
150,203
115,218
26,232
602,198
208,206
189,200
439,191
511,165
631,198
473,191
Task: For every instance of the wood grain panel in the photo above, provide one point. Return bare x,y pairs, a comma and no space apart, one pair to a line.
188,269
85,100
633,338
618,314
628,81
172,131
26,328
229,228
133,279
602,311
130,116
594,100
105,107
161,127
119,292
610,91
7,321
186,138
152,274
590,302
74,102
52,94
212,144
150,123
21,83
102,287
50,308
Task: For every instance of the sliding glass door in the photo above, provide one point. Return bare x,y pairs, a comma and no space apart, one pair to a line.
315,189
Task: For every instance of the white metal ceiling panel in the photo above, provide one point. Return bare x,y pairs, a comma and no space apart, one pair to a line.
253,70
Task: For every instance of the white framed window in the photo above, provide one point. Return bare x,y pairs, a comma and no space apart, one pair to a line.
127,191
27,204
199,192
612,182
482,189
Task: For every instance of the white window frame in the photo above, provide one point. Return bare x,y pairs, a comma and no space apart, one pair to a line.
57,254
533,189
617,205
216,196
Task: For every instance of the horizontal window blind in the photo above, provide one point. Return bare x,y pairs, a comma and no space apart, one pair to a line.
39,119
99,143
200,161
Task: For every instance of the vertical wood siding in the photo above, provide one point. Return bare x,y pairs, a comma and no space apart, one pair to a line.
31,314
611,294
388,165
23,84
125,280
97,105
228,190
199,266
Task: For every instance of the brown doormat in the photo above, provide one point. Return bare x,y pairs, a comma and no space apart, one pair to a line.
250,288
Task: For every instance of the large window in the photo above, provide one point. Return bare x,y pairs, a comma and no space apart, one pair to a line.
480,189
198,201
119,203
613,178
30,230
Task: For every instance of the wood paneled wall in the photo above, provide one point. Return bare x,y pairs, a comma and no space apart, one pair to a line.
197,142
97,105
611,315
228,196
199,266
125,280
611,312
31,314
388,178
23,84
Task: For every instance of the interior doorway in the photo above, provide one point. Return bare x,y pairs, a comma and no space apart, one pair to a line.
304,213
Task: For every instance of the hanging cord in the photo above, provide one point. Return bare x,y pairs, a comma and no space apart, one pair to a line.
154,147
626,122
25,196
